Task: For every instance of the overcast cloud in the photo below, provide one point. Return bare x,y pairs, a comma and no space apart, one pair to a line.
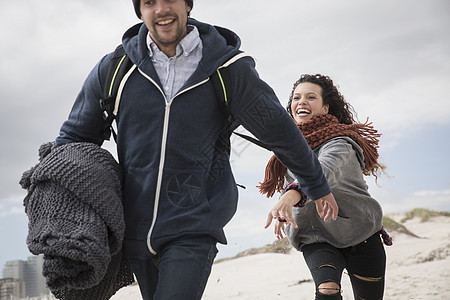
391,60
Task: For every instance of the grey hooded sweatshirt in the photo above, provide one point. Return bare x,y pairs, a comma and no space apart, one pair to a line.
360,216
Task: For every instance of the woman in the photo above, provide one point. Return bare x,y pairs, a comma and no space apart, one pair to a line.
347,151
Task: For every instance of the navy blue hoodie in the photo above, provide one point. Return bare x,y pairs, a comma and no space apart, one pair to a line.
176,181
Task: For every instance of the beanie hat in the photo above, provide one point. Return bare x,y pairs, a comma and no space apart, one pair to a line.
137,7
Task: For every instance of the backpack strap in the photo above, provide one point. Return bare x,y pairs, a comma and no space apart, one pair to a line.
221,80
118,68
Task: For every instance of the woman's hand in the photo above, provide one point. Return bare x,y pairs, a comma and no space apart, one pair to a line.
279,230
283,208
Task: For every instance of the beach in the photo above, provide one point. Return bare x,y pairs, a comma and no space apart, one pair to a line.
418,267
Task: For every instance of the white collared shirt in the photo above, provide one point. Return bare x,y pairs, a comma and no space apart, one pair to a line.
174,71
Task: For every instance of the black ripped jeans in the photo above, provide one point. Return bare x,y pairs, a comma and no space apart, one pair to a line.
367,259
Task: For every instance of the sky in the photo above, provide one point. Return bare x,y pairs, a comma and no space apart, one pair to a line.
390,59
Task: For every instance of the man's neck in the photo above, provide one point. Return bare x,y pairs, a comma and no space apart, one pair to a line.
170,51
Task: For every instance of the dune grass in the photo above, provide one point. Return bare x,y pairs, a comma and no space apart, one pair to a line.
284,247
393,226
424,214
279,246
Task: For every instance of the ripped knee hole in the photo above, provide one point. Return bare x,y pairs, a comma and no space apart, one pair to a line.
326,265
329,288
371,279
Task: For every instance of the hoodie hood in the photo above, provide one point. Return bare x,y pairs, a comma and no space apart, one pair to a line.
219,45
357,148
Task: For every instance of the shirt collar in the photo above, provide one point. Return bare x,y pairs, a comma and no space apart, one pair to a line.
185,46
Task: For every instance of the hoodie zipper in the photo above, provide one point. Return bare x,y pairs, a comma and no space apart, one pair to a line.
163,153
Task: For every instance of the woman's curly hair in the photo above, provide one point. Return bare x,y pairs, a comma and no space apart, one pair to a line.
338,107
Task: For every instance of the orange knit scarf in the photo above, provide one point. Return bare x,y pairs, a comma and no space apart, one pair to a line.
316,131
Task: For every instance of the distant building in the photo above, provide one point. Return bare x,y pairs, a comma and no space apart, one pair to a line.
23,279
11,288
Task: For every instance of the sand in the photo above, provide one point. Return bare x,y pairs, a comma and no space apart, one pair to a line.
417,268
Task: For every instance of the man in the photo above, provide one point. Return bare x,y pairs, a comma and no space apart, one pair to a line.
178,186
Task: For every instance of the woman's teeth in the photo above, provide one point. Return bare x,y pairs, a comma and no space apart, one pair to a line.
303,111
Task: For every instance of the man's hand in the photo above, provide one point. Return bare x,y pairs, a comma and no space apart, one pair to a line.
327,207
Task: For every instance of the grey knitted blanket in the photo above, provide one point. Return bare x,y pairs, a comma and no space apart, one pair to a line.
75,215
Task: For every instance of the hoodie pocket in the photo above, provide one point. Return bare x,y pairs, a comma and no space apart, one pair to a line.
341,232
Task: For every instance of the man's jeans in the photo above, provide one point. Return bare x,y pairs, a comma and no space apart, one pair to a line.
179,271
